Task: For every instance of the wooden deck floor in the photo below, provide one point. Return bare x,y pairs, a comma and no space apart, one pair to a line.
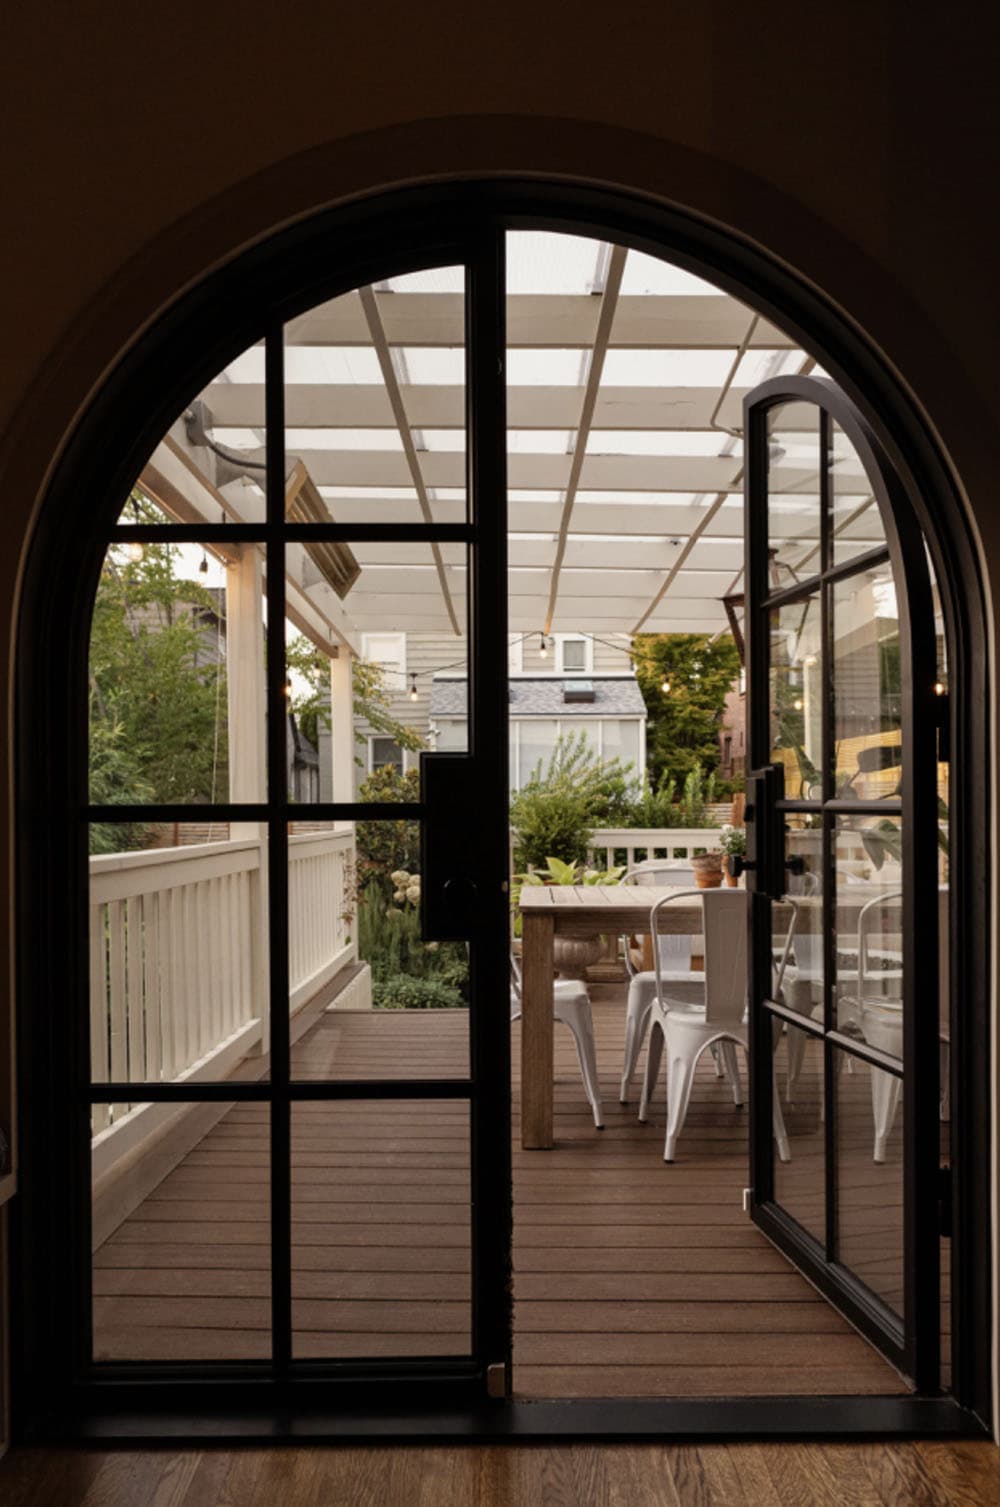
630,1277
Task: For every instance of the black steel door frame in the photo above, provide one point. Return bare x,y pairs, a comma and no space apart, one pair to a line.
333,252
911,1340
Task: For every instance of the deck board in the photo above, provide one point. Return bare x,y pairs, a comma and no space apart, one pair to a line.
630,1277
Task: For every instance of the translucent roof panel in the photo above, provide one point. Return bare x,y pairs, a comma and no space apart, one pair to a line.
343,439
655,442
438,365
542,262
648,274
540,441
759,366
666,367
528,367
435,280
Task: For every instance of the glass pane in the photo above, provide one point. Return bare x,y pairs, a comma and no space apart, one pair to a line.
536,745
178,954
181,1226
796,697
793,493
802,910
620,740
869,982
172,628
799,1184
857,521
370,997
867,689
870,1176
375,408
210,465
381,1229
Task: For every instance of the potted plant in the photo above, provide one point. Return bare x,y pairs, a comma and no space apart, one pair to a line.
573,955
708,869
733,842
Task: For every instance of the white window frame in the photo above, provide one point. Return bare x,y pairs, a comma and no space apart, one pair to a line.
394,666
514,736
588,653
371,765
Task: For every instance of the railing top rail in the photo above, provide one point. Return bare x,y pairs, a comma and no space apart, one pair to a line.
642,837
342,839
110,863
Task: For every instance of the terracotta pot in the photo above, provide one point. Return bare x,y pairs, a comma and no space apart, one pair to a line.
707,870
731,880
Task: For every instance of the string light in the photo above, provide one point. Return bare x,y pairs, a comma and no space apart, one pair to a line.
939,688
665,688
543,647
203,567
413,687
135,551
797,705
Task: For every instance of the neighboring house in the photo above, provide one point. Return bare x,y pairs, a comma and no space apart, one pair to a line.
579,684
733,732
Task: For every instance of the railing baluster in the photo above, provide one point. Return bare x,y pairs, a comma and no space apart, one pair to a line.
119,1044
99,1063
151,969
136,1011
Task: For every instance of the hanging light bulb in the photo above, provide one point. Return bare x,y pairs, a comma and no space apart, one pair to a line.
665,687
135,551
287,687
203,567
413,687
797,705
543,647
939,688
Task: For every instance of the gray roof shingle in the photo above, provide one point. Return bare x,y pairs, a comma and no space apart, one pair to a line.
542,696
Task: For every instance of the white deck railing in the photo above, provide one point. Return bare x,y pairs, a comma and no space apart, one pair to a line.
648,842
178,954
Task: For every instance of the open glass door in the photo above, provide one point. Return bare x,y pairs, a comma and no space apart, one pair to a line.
844,867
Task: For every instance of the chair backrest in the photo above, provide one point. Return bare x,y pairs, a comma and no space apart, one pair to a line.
869,916
725,955
675,951
515,987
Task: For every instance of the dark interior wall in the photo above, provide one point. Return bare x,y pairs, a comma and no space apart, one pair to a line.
144,143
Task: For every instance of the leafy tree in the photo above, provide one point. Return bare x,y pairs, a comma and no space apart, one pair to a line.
371,701
157,686
682,729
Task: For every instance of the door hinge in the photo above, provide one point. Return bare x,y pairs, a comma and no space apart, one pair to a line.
496,1380
944,1199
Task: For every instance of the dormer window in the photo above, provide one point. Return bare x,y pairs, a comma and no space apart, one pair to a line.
574,654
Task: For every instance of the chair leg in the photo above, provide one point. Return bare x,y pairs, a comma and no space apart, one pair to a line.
731,1067
886,1089
720,1071
587,1053
636,1024
651,1074
778,1122
680,1080
796,1046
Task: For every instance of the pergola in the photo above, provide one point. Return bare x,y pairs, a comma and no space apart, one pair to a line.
625,382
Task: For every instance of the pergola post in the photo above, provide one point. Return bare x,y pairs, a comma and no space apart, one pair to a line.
342,724
246,704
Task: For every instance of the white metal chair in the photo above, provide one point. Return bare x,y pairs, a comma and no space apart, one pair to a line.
675,962
881,1021
688,1029
571,1005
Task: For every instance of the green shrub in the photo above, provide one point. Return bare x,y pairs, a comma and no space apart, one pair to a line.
401,992
389,941
384,847
555,812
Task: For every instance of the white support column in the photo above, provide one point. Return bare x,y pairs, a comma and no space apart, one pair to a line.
247,701
245,680
342,724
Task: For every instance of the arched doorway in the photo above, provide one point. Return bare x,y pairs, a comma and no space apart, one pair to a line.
254,299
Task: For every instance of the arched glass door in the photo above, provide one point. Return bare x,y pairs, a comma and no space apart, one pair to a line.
847,867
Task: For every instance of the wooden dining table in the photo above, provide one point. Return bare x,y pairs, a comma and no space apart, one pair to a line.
575,911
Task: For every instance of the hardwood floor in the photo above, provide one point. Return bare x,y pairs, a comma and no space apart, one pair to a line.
631,1278
927,1474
